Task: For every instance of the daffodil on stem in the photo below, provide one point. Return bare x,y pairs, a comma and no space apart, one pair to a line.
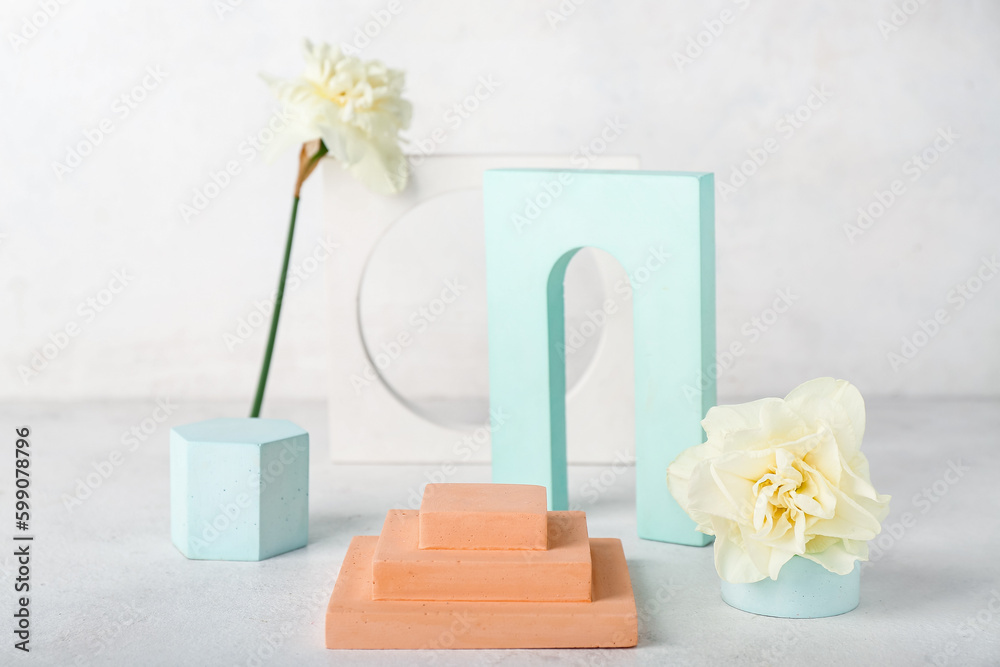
309,157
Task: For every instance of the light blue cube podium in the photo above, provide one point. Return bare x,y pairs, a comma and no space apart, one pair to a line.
536,220
239,488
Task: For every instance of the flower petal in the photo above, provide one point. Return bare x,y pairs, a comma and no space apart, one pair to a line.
851,521
836,403
383,169
731,560
838,557
717,494
679,475
721,420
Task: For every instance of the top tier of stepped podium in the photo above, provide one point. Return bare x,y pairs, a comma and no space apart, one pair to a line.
482,566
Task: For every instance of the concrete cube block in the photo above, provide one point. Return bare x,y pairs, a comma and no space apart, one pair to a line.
239,488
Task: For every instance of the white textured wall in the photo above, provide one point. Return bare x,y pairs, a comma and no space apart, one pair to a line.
884,99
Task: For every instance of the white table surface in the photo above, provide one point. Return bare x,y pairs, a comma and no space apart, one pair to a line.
108,587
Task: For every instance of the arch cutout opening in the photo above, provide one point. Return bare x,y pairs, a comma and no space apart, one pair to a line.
604,462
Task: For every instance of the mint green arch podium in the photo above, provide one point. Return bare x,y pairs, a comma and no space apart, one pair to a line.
536,220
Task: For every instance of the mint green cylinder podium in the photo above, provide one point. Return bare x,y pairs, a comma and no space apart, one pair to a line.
536,220
803,589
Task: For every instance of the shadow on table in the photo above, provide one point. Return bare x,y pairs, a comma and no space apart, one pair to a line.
340,528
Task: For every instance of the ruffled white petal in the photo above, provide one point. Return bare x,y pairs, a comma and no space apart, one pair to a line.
732,558
836,403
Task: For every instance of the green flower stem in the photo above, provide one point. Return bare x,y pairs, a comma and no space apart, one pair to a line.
310,155
262,382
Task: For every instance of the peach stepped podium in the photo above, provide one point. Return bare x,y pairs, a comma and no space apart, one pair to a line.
502,573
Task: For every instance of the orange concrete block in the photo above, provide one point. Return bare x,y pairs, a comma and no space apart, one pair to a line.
562,572
355,621
483,516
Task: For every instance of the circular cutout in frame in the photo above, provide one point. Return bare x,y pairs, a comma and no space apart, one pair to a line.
422,310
